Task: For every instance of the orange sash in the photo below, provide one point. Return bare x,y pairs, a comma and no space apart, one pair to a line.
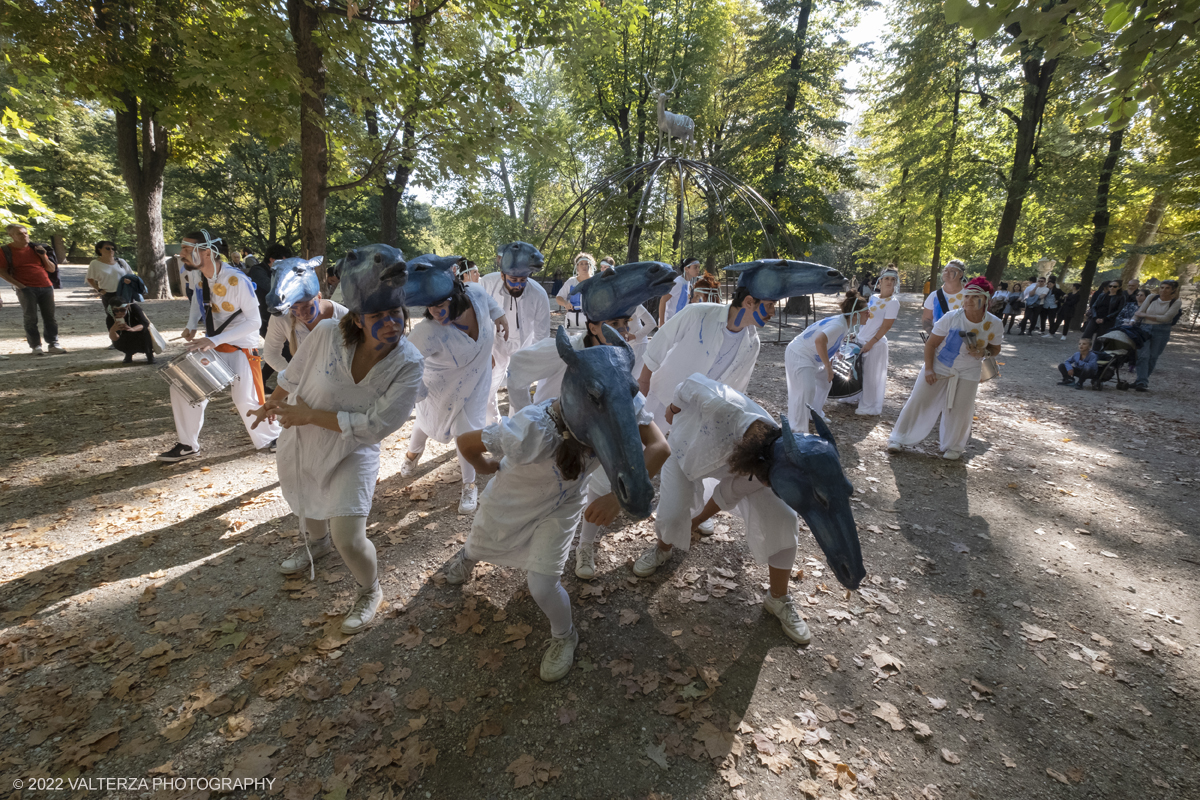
255,360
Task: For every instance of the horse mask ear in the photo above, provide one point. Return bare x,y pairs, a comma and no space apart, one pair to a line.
565,351
821,428
789,441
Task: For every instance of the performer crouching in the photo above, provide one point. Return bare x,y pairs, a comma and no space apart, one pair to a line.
807,358
456,339
947,383
226,306
719,433
351,384
543,456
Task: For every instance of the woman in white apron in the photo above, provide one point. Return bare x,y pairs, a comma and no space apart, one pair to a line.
882,310
947,383
807,358
568,299
350,385
456,339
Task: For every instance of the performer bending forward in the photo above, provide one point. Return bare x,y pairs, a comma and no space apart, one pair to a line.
947,383
456,340
807,358
352,384
528,513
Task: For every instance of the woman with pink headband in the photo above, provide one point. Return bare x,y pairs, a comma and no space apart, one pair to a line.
948,381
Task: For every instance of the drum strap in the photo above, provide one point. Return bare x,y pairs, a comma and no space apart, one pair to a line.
255,359
209,330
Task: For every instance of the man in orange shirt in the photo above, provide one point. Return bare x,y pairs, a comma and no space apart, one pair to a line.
28,269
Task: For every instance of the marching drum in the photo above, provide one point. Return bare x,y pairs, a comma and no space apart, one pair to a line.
198,375
847,371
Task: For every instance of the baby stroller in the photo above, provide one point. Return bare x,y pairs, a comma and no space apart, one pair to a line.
1116,349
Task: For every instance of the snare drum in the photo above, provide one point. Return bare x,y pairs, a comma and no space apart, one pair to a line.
197,375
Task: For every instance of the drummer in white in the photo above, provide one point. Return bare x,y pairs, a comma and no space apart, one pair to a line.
807,358
225,306
882,310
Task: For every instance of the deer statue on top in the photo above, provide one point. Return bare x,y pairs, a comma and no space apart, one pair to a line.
675,126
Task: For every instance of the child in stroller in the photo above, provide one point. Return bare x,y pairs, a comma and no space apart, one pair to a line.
1116,349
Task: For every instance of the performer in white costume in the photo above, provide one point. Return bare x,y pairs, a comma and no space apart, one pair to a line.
882,312
225,307
807,358
570,300
295,326
946,299
524,302
677,300
947,383
351,385
456,339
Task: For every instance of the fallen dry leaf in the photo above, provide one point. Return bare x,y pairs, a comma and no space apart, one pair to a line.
920,730
949,757
1058,776
1008,762
889,714
937,703
629,617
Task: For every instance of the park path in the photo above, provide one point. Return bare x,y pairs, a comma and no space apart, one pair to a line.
1029,628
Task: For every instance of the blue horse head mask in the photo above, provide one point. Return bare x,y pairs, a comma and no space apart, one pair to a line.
293,280
806,473
777,278
373,278
619,291
598,408
431,279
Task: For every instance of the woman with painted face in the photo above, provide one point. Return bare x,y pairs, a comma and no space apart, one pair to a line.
293,328
531,507
351,384
807,359
947,383
456,339
882,310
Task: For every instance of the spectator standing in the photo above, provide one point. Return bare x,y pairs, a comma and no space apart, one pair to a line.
105,272
1157,315
1104,310
1035,300
1080,366
28,268
1131,288
130,330
1050,307
1132,306
1013,305
1066,310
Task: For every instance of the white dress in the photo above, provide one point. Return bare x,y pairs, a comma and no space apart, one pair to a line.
712,419
875,361
691,342
326,473
528,322
953,395
528,513
458,370
283,328
808,386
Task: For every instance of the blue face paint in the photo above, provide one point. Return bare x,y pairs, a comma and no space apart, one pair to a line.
758,316
378,334
515,284
738,319
307,311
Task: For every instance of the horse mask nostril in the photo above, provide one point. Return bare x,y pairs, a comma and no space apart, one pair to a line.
622,489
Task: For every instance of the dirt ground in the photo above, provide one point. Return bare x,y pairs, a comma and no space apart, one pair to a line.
1028,629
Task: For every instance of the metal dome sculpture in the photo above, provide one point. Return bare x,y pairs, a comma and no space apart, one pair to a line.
662,193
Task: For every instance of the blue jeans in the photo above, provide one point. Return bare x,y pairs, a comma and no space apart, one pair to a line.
33,299
1149,352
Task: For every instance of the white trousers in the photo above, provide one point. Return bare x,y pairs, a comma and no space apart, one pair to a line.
807,388
952,399
189,419
499,378
874,367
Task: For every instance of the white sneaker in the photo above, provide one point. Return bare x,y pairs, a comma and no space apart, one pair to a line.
559,658
952,455
585,561
469,500
409,465
38,351
298,562
708,527
458,570
1062,338
56,349
862,413
793,626
895,447
649,561
364,609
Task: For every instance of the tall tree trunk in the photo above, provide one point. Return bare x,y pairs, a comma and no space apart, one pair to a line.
939,209
1100,220
314,148
393,190
1063,267
1036,91
1146,236
900,216
142,157
509,198
791,93
60,247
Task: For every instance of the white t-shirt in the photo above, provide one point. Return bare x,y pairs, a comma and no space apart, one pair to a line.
951,357
574,301
803,352
107,276
952,300
878,310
